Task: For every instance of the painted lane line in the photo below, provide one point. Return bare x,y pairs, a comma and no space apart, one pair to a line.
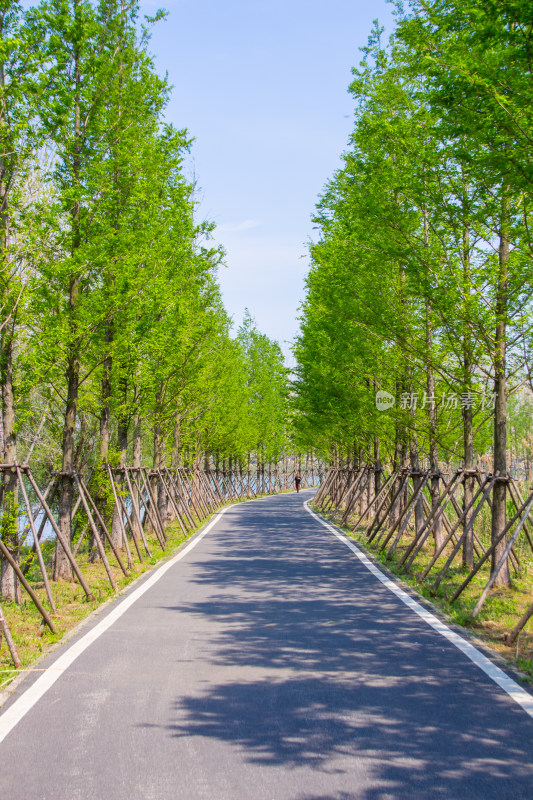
518,694
33,694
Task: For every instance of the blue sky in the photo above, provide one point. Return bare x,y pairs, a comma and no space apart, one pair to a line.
262,87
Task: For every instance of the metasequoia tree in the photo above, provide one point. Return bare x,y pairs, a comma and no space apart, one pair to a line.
115,346
477,65
421,279
19,138
267,392
80,70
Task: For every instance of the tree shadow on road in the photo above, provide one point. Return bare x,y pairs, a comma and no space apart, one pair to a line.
337,676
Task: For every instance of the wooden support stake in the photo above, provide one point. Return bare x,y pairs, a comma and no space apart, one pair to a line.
96,534
326,498
515,561
335,498
119,515
396,498
151,509
191,497
43,612
172,499
459,511
153,504
323,489
482,560
425,531
104,526
375,501
511,637
136,512
4,629
513,488
484,490
130,520
525,511
216,488
183,495
62,542
83,534
36,543
350,485
184,516
406,516
199,504
459,541
130,525
356,493
206,480
27,529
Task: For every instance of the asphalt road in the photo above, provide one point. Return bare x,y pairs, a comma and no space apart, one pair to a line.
268,664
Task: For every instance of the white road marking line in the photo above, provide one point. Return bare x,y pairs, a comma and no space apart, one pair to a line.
33,694
518,694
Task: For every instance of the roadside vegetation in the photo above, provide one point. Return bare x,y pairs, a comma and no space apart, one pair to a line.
414,358
115,346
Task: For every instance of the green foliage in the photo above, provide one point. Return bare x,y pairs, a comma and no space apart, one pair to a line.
114,322
9,519
267,390
408,282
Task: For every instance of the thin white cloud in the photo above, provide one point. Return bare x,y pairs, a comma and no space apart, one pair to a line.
236,227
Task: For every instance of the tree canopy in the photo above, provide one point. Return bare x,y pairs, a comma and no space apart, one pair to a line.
115,346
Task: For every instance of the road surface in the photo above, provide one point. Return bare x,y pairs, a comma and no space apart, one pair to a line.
267,663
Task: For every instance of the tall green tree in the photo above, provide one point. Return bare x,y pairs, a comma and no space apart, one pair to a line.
19,143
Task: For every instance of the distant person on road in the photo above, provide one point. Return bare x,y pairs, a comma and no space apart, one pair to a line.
297,482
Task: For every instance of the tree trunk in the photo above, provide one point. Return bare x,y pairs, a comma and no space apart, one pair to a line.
159,462
468,422
468,444
105,411
176,459
137,451
377,472
417,480
9,588
62,568
500,409
101,483
122,447
439,534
